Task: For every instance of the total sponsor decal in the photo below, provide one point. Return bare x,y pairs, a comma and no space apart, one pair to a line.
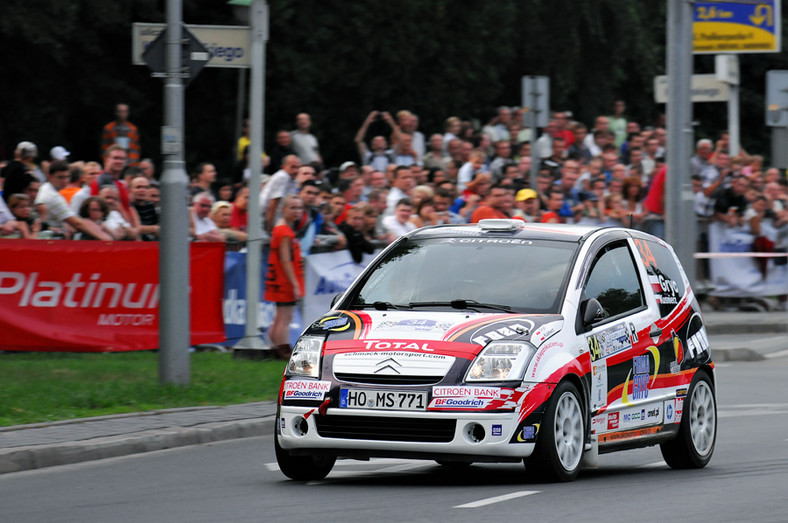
306,389
397,345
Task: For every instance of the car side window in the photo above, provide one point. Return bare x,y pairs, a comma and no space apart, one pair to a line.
614,281
663,273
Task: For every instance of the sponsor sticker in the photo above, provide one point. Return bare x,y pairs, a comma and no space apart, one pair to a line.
528,433
670,411
458,403
609,341
599,423
546,331
471,392
598,384
641,416
497,431
612,421
335,323
306,389
499,330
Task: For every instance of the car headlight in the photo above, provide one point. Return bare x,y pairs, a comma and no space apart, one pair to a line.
500,361
305,360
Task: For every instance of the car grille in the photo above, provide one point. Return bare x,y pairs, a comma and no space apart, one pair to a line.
386,379
386,429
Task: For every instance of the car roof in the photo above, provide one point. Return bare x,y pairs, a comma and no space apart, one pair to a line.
511,228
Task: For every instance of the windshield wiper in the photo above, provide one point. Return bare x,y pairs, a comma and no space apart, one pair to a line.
379,305
462,304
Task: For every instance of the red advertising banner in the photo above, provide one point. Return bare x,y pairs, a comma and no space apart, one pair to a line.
80,296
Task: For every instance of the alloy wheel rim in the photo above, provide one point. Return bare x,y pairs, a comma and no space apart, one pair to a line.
568,431
702,418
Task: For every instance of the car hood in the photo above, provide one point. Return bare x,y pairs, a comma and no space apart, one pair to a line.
440,332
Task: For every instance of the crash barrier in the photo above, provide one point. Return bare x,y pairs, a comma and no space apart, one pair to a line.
82,296
736,271
325,275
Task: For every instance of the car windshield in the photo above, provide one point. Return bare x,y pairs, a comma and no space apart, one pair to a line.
483,274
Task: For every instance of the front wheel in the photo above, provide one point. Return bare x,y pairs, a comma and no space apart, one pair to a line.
694,444
560,441
303,468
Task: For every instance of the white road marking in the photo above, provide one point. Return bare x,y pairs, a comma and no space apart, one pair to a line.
497,499
780,354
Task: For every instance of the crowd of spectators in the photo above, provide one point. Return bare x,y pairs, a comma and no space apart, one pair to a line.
610,172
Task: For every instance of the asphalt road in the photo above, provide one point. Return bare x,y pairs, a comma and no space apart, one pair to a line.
238,480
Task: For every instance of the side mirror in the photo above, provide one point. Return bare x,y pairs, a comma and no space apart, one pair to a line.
336,298
592,312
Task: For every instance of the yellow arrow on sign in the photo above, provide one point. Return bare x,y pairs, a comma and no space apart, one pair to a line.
758,16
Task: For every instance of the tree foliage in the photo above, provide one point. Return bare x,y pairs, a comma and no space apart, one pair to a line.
67,62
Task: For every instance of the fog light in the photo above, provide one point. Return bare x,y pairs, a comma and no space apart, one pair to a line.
300,426
474,432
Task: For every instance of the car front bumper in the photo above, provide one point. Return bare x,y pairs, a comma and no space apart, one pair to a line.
477,436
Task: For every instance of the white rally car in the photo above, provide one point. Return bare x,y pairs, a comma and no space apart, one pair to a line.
504,341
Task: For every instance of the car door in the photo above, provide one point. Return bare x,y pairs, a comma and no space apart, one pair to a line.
623,361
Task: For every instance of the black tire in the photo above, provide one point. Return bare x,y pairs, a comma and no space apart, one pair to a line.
694,444
561,437
303,468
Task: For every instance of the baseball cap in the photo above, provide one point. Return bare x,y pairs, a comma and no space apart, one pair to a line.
525,194
27,149
347,165
59,153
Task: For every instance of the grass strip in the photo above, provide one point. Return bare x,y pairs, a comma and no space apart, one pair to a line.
42,387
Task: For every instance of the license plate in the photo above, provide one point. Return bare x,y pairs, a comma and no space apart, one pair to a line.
382,399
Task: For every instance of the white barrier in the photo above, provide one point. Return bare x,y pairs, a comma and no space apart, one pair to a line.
735,271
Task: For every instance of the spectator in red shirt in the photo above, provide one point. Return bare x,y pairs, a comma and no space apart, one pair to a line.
654,204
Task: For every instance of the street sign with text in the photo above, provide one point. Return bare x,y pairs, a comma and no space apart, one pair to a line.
229,46
736,27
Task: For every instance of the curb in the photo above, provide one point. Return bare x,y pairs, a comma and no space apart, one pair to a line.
41,456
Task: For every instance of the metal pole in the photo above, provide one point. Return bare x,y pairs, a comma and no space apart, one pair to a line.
535,159
733,114
239,110
254,226
174,314
679,216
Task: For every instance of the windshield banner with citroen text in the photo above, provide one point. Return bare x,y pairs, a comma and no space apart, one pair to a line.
80,296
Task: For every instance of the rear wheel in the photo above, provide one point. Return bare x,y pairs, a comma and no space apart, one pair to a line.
303,468
693,446
561,438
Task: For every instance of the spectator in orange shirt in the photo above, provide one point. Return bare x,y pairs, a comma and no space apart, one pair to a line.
495,205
